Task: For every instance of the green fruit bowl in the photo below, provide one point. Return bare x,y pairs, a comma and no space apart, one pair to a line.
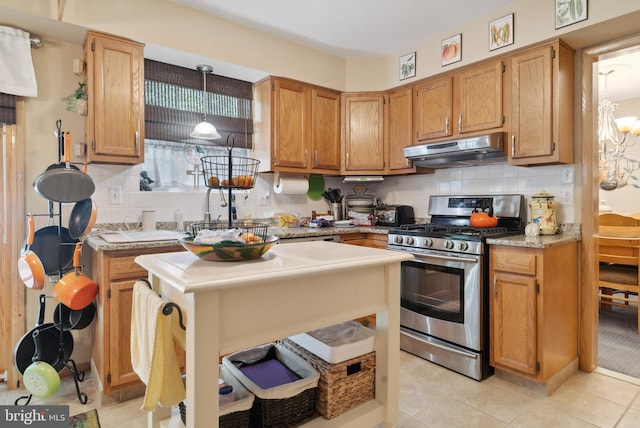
229,251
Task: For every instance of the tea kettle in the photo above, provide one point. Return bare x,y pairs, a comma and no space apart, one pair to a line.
483,219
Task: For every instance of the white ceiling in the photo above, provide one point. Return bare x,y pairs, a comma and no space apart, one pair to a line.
351,28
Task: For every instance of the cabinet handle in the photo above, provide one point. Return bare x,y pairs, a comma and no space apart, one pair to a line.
446,125
460,122
495,288
305,158
347,161
315,158
137,137
513,145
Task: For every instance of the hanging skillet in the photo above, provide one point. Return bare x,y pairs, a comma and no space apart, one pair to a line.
82,218
64,182
50,341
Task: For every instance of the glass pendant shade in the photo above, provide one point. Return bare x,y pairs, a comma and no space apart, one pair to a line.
205,130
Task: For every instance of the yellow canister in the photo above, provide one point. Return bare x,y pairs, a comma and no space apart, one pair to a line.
543,212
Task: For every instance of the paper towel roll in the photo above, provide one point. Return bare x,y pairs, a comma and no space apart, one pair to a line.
291,186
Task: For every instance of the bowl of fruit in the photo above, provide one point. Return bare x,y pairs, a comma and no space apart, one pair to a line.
227,244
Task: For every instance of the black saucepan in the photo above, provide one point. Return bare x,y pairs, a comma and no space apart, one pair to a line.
64,182
50,343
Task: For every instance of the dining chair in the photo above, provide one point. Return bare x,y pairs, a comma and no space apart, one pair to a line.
619,259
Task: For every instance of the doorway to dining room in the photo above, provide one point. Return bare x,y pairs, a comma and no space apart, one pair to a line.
616,70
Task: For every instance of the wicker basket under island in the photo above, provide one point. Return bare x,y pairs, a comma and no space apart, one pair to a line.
343,355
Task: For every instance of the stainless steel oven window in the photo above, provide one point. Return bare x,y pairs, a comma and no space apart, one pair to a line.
433,290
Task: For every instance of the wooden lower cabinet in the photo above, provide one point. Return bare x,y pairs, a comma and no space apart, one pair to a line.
373,240
116,272
534,309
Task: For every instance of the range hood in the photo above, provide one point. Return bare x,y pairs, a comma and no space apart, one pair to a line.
481,150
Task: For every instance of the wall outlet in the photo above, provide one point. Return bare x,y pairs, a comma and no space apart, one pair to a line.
567,174
115,195
566,196
263,197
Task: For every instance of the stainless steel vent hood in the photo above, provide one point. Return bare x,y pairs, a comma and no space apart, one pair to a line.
471,151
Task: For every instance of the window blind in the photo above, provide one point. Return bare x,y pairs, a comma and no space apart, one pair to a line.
174,105
7,108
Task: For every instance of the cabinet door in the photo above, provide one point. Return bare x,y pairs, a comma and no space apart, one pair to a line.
115,122
531,104
513,322
120,334
325,144
400,132
364,139
481,98
433,112
291,111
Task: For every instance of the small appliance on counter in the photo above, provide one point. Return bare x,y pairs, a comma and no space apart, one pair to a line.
394,215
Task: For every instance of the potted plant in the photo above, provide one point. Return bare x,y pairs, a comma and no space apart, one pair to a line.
77,101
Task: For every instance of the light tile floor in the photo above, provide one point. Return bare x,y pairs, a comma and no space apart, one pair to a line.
432,396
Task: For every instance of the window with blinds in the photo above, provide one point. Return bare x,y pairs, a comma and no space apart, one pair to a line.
174,105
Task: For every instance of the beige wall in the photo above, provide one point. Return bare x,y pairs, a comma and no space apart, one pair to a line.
533,22
173,26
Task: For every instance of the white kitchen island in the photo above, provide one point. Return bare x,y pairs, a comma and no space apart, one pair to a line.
294,288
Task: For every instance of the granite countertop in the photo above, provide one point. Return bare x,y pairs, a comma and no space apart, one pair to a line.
95,241
541,241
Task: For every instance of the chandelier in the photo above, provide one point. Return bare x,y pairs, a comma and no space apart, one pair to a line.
615,136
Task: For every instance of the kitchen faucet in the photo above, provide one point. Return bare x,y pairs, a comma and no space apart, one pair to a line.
207,212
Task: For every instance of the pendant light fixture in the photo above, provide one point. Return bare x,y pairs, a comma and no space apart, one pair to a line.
205,130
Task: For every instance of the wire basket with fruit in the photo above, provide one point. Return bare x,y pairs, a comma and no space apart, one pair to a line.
216,172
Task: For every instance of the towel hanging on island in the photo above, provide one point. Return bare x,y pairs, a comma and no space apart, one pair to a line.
153,356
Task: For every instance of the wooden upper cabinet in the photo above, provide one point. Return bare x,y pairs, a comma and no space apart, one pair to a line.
542,105
364,147
297,127
115,120
462,102
291,123
481,98
325,142
433,112
400,130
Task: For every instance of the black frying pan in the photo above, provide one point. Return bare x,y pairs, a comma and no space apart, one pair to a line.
64,182
49,337
54,246
82,218
71,319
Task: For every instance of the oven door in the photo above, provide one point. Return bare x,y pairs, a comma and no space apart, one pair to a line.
442,296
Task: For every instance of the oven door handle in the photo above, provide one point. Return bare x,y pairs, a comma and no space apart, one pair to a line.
448,258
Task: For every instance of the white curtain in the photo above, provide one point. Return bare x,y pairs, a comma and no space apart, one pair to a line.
16,66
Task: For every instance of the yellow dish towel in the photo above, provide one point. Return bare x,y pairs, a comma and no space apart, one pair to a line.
153,356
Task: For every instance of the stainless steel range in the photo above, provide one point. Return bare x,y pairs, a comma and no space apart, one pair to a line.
444,308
